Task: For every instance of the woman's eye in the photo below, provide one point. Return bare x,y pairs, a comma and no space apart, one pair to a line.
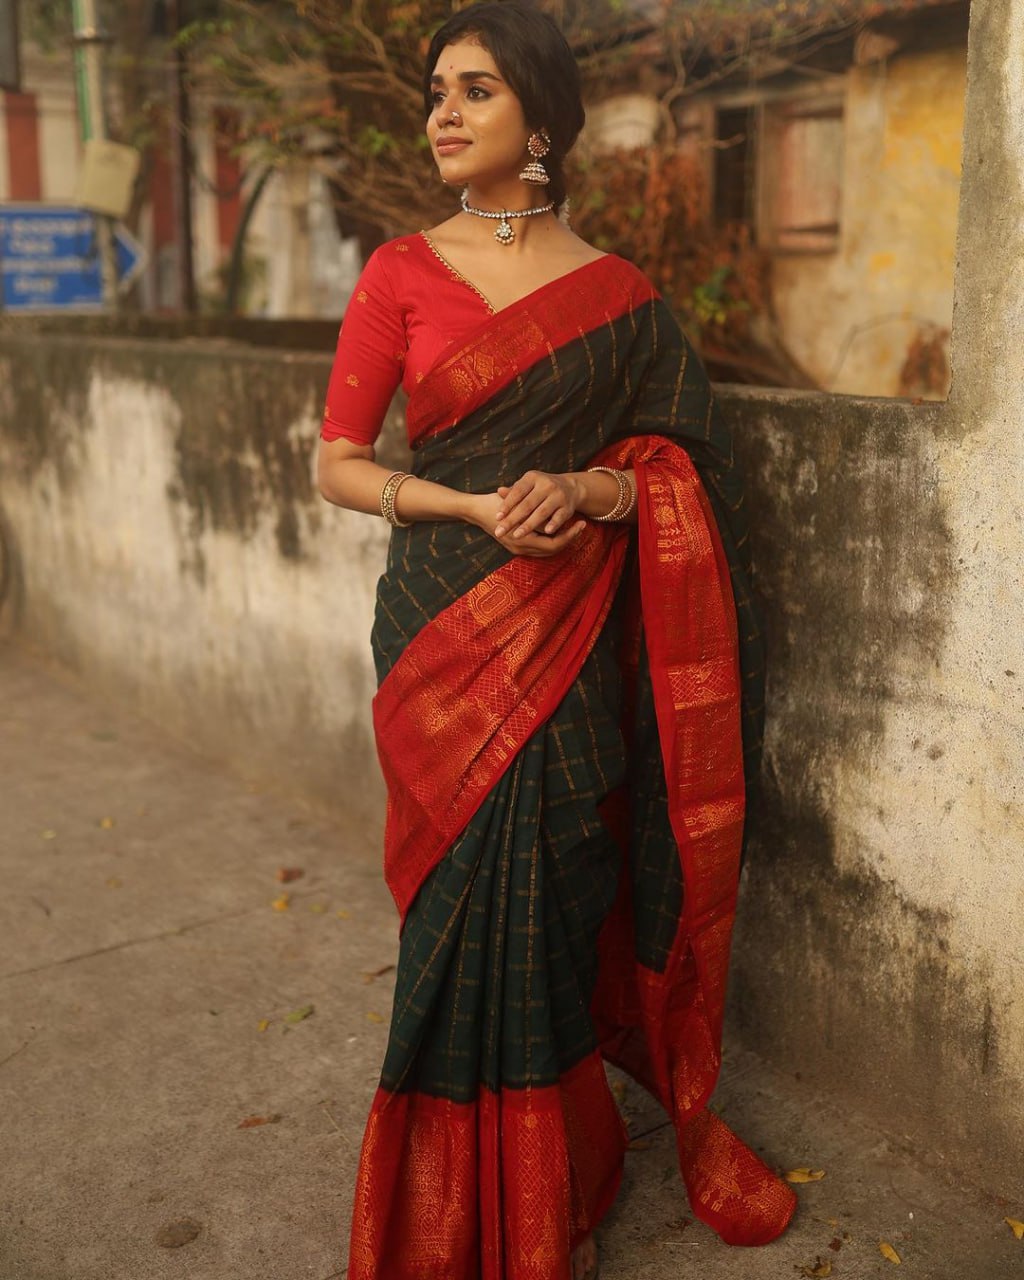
476,89
437,97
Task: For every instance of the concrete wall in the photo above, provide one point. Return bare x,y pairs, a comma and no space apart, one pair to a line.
168,544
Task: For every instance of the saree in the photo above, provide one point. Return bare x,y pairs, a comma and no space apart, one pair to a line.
564,742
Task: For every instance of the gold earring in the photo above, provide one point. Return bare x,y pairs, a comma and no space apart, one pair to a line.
538,146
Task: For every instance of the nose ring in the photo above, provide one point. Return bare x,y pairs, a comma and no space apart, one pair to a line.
455,118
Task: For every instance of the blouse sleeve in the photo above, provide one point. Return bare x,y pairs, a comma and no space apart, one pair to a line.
368,361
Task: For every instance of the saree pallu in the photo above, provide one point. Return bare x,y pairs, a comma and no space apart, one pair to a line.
563,743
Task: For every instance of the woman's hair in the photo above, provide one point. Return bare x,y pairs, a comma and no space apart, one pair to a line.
535,59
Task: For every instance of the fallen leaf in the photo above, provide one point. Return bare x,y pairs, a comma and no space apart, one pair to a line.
284,874
887,1251
250,1122
1016,1227
370,975
49,834
106,823
298,1015
343,915
619,1091
835,1244
804,1175
373,1017
318,907
263,1024
818,1271
281,903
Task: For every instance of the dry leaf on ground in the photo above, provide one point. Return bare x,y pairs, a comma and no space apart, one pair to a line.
284,874
1016,1227
817,1270
263,1024
343,914
804,1175
370,974
106,823
374,1017
887,1251
281,903
250,1122
297,1015
49,834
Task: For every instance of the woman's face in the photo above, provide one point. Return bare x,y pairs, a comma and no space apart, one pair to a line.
487,143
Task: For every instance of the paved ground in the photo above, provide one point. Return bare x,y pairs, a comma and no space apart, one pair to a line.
139,955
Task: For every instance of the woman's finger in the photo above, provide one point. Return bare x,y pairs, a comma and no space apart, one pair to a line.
538,517
516,514
540,545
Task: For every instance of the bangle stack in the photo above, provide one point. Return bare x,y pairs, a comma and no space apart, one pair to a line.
626,500
387,498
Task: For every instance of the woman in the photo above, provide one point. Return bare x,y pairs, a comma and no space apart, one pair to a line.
560,718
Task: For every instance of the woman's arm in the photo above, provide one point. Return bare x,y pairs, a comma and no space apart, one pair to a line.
349,476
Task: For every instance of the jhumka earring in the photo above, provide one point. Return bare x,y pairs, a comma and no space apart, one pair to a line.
538,146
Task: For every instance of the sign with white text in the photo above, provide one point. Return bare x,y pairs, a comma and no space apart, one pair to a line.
49,258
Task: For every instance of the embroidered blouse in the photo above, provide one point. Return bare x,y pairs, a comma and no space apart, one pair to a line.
408,305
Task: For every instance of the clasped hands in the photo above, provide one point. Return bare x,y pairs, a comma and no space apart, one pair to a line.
534,516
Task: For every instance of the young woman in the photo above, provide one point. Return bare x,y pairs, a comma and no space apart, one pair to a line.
565,699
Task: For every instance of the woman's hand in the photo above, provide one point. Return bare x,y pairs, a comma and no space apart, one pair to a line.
537,503
486,511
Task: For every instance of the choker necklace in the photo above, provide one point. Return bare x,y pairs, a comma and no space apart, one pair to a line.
503,232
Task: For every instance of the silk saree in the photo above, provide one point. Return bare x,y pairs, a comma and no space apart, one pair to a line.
564,743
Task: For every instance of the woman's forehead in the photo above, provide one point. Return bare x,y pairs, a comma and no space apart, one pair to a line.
464,55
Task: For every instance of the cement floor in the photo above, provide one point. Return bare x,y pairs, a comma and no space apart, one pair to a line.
140,952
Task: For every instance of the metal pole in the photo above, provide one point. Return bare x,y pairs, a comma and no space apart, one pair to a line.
181,164
89,42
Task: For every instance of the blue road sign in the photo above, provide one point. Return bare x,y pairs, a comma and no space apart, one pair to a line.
49,258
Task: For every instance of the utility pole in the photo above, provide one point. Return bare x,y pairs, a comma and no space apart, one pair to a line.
89,42
181,162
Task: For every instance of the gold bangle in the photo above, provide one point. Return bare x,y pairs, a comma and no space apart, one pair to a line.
392,485
626,500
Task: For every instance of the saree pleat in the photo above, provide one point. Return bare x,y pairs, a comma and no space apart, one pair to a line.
564,747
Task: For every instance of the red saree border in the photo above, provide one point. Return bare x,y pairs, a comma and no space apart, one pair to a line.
474,684
518,336
501,1188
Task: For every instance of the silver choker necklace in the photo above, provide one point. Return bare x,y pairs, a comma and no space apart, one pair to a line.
503,232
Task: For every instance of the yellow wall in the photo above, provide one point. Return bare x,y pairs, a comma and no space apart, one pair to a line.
894,266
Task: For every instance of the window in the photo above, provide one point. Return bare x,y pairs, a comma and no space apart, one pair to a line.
735,132
802,167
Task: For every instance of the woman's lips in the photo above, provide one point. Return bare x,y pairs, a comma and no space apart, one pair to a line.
448,146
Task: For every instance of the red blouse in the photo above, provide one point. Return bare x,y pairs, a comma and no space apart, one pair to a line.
407,307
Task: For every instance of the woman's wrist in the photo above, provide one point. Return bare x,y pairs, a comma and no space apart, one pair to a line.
598,492
425,500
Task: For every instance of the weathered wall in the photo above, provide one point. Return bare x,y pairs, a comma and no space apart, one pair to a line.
850,316
883,927
168,542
